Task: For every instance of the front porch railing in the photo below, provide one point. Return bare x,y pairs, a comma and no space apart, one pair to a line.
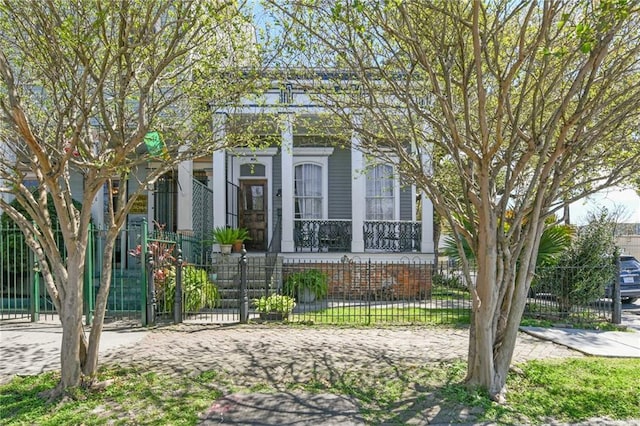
392,236
316,235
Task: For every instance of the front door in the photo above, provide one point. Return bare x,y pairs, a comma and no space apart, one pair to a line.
252,212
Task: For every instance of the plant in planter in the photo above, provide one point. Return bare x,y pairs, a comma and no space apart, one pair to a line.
274,307
225,237
243,235
307,285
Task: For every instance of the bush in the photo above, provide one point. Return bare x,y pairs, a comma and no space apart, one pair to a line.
275,303
583,270
316,281
197,291
450,282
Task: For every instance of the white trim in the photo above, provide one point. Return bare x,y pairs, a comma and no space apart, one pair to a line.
396,187
358,194
286,122
312,151
414,204
323,162
267,162
248,152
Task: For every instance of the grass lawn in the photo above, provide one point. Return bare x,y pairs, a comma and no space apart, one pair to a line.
391,315
569,390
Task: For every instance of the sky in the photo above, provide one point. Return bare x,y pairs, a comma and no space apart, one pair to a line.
627,200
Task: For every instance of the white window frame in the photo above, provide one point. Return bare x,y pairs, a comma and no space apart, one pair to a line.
396,189
323,162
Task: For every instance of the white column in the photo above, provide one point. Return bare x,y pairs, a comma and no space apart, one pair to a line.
287,183
358,195
185,195
427,245
427,225
97,208
219,174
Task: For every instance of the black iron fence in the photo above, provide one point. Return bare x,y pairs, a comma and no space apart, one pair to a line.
575,295
346,290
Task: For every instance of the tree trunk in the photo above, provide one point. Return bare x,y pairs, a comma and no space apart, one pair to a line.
72,329
502,285
481,369
93,349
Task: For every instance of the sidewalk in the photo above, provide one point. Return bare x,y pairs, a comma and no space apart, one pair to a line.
612,344
253,354
31,348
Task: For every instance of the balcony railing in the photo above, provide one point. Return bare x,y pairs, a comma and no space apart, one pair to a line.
313,235
392,236
317,235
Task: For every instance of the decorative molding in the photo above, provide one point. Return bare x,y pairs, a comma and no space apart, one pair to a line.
312,151
248,152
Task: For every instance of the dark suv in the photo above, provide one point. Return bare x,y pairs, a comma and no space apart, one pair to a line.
629,279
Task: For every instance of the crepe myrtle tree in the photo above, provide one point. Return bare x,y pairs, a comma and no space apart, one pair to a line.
83,82
501,112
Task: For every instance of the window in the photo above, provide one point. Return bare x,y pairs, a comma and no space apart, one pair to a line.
308,191
381,194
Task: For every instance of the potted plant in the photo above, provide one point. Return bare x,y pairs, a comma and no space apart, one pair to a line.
243,235
225,237
275,307
307,285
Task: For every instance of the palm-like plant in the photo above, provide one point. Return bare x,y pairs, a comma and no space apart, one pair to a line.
555,240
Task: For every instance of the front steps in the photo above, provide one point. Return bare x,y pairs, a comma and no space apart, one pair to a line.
263,276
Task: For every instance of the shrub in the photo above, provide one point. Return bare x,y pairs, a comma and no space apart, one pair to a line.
275,303
197,291
582,272
316,281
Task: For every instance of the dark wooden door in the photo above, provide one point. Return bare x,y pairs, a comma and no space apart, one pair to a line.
253,212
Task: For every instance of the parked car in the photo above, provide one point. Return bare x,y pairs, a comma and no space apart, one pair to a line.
629,280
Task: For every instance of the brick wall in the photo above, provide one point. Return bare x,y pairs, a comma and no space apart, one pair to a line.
381,281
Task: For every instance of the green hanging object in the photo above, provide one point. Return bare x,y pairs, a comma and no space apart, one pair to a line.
155,145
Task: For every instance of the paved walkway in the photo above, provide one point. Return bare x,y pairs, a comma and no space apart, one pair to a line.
280,355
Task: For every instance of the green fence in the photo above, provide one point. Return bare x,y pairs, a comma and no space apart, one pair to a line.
23,294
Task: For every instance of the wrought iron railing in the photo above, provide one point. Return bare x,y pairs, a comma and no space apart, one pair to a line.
233,193
392,235
202,209
314,235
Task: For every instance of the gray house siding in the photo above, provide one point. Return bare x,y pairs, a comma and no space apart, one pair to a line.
405,203
339,197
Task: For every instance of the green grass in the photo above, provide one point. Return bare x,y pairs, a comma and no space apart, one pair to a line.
391,315
570,390
133,397
578,389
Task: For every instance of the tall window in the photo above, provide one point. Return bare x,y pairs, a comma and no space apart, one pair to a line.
308,191
380,193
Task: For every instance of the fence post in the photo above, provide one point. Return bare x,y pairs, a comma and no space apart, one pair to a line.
616,316
143,273
177,299
151,290
244,297
35,292
369,291
88,279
